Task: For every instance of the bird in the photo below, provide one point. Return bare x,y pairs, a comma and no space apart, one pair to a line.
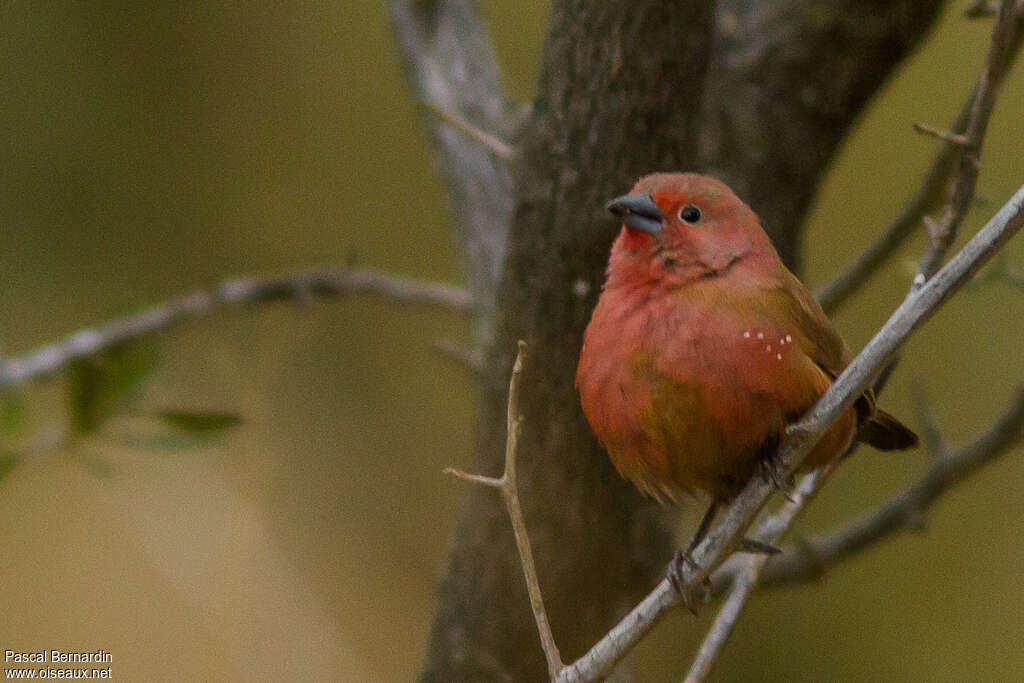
703,347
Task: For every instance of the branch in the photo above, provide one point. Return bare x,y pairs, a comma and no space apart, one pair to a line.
832,294
1005,39
246,290
745,578
836,291
919,305
506,483
450,65
904,509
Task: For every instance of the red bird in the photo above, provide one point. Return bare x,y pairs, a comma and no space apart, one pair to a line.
704,346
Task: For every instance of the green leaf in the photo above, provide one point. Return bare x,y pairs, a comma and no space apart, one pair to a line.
7,463
200,422
101,384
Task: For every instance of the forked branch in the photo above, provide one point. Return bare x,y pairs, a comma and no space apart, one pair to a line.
506,484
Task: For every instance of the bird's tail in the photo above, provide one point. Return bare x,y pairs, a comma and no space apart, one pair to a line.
886,433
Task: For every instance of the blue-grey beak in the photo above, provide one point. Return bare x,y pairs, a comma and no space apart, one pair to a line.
638,211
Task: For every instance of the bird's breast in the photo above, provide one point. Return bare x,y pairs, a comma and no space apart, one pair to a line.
682,388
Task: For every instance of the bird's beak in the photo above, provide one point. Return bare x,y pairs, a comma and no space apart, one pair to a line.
638,211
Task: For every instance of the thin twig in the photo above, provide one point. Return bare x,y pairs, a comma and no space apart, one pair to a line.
1005,36
833,293
506,483
745,580
919,305
246,290
948,136
503,150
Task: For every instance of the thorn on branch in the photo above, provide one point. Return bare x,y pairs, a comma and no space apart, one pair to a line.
948,136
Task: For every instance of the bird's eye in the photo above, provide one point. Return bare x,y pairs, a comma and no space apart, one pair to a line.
690,213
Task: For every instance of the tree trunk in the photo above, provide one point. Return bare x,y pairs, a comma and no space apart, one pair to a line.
759,93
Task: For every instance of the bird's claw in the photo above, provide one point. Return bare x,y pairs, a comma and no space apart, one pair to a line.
690,595
770,472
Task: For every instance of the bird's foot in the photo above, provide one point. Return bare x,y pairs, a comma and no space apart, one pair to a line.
691,595
770,472
749,545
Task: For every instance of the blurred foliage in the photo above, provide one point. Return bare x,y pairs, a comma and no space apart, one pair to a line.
200,423
110,383
101,384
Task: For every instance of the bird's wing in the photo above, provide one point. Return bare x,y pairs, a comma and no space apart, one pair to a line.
826,348
818,337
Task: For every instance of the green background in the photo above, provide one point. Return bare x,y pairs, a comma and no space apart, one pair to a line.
152,148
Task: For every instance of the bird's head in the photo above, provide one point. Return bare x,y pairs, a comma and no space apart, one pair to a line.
684,226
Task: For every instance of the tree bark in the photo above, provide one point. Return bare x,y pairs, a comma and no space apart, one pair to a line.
786,81
761,94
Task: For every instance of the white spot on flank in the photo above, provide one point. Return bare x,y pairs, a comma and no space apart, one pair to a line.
789,339
760,335
746,335
768,348
779,356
